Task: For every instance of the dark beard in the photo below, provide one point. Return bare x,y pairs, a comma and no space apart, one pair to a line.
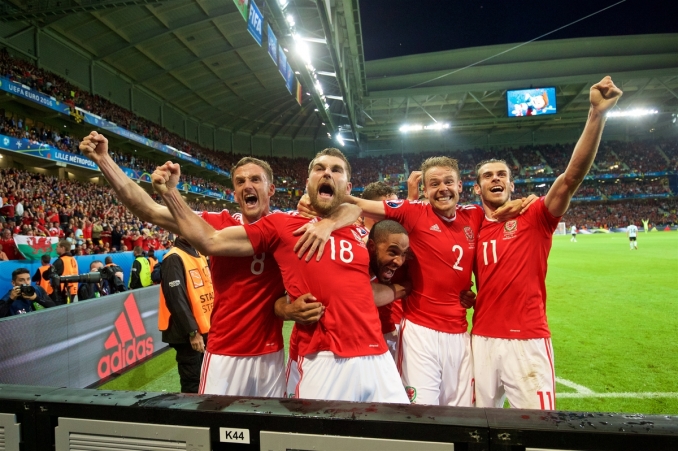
324,209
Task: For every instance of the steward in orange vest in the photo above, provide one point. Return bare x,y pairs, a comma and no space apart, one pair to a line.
66,265
186,300
39,273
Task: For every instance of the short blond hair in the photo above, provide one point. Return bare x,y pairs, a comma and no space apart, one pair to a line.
439,162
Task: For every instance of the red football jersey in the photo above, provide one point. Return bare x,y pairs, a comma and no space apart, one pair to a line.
243,321
340,280
511,263
443,250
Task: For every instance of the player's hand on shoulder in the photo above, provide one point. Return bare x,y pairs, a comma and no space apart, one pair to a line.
304,207
509,210
314,236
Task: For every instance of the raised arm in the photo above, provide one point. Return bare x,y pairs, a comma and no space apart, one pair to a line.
373,209
231,241
603,96
138,201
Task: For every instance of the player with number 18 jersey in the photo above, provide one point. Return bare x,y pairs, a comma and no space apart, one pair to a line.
349,328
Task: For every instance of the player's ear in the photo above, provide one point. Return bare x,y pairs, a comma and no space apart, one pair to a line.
476,188
513,187
271,189
349,186
371,246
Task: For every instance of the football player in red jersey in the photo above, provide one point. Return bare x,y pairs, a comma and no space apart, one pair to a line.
343,356
244,350
511,340
434,349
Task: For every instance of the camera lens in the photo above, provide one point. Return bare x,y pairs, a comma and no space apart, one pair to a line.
27,290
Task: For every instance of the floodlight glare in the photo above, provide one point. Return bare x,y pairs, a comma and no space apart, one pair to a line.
282,3
290,20
303,52
636,112
319,88
418,127
340,140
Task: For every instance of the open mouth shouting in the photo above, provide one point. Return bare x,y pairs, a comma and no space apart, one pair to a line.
387,273
325,191
251,200
497,189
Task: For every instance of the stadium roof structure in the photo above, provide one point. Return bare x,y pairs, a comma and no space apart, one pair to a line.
198,56
467,87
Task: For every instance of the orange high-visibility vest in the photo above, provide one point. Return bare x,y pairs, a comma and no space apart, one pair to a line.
199,289
70,269
45,283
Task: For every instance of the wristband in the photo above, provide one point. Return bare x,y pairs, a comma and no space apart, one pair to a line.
192,333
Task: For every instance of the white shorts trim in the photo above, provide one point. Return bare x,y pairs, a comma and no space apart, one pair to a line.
362,379
436,367
521,371
261,375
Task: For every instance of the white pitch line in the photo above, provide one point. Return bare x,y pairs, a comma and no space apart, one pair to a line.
581,390
618,395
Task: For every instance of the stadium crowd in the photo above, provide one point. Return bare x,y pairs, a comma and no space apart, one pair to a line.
87,215
606,215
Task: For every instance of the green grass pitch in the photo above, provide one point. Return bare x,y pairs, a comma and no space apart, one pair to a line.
613,314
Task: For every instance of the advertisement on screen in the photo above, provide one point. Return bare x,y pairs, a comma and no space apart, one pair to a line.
531,102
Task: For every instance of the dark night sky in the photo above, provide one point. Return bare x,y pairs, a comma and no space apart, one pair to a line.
404,27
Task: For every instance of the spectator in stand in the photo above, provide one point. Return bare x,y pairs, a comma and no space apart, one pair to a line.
3,256
8,244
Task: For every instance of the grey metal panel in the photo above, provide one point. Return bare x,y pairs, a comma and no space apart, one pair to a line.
283,441
86,435
10,432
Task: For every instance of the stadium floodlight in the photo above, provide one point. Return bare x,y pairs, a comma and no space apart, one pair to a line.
418,127
282,3
303,52
290,20
411,128
636,112
319,88
340,140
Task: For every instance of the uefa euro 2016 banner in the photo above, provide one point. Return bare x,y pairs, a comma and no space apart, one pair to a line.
26,92
77,345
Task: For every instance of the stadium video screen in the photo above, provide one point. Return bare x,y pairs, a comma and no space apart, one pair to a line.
531,102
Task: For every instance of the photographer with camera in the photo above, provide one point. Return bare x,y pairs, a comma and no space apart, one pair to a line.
110,280
23,297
